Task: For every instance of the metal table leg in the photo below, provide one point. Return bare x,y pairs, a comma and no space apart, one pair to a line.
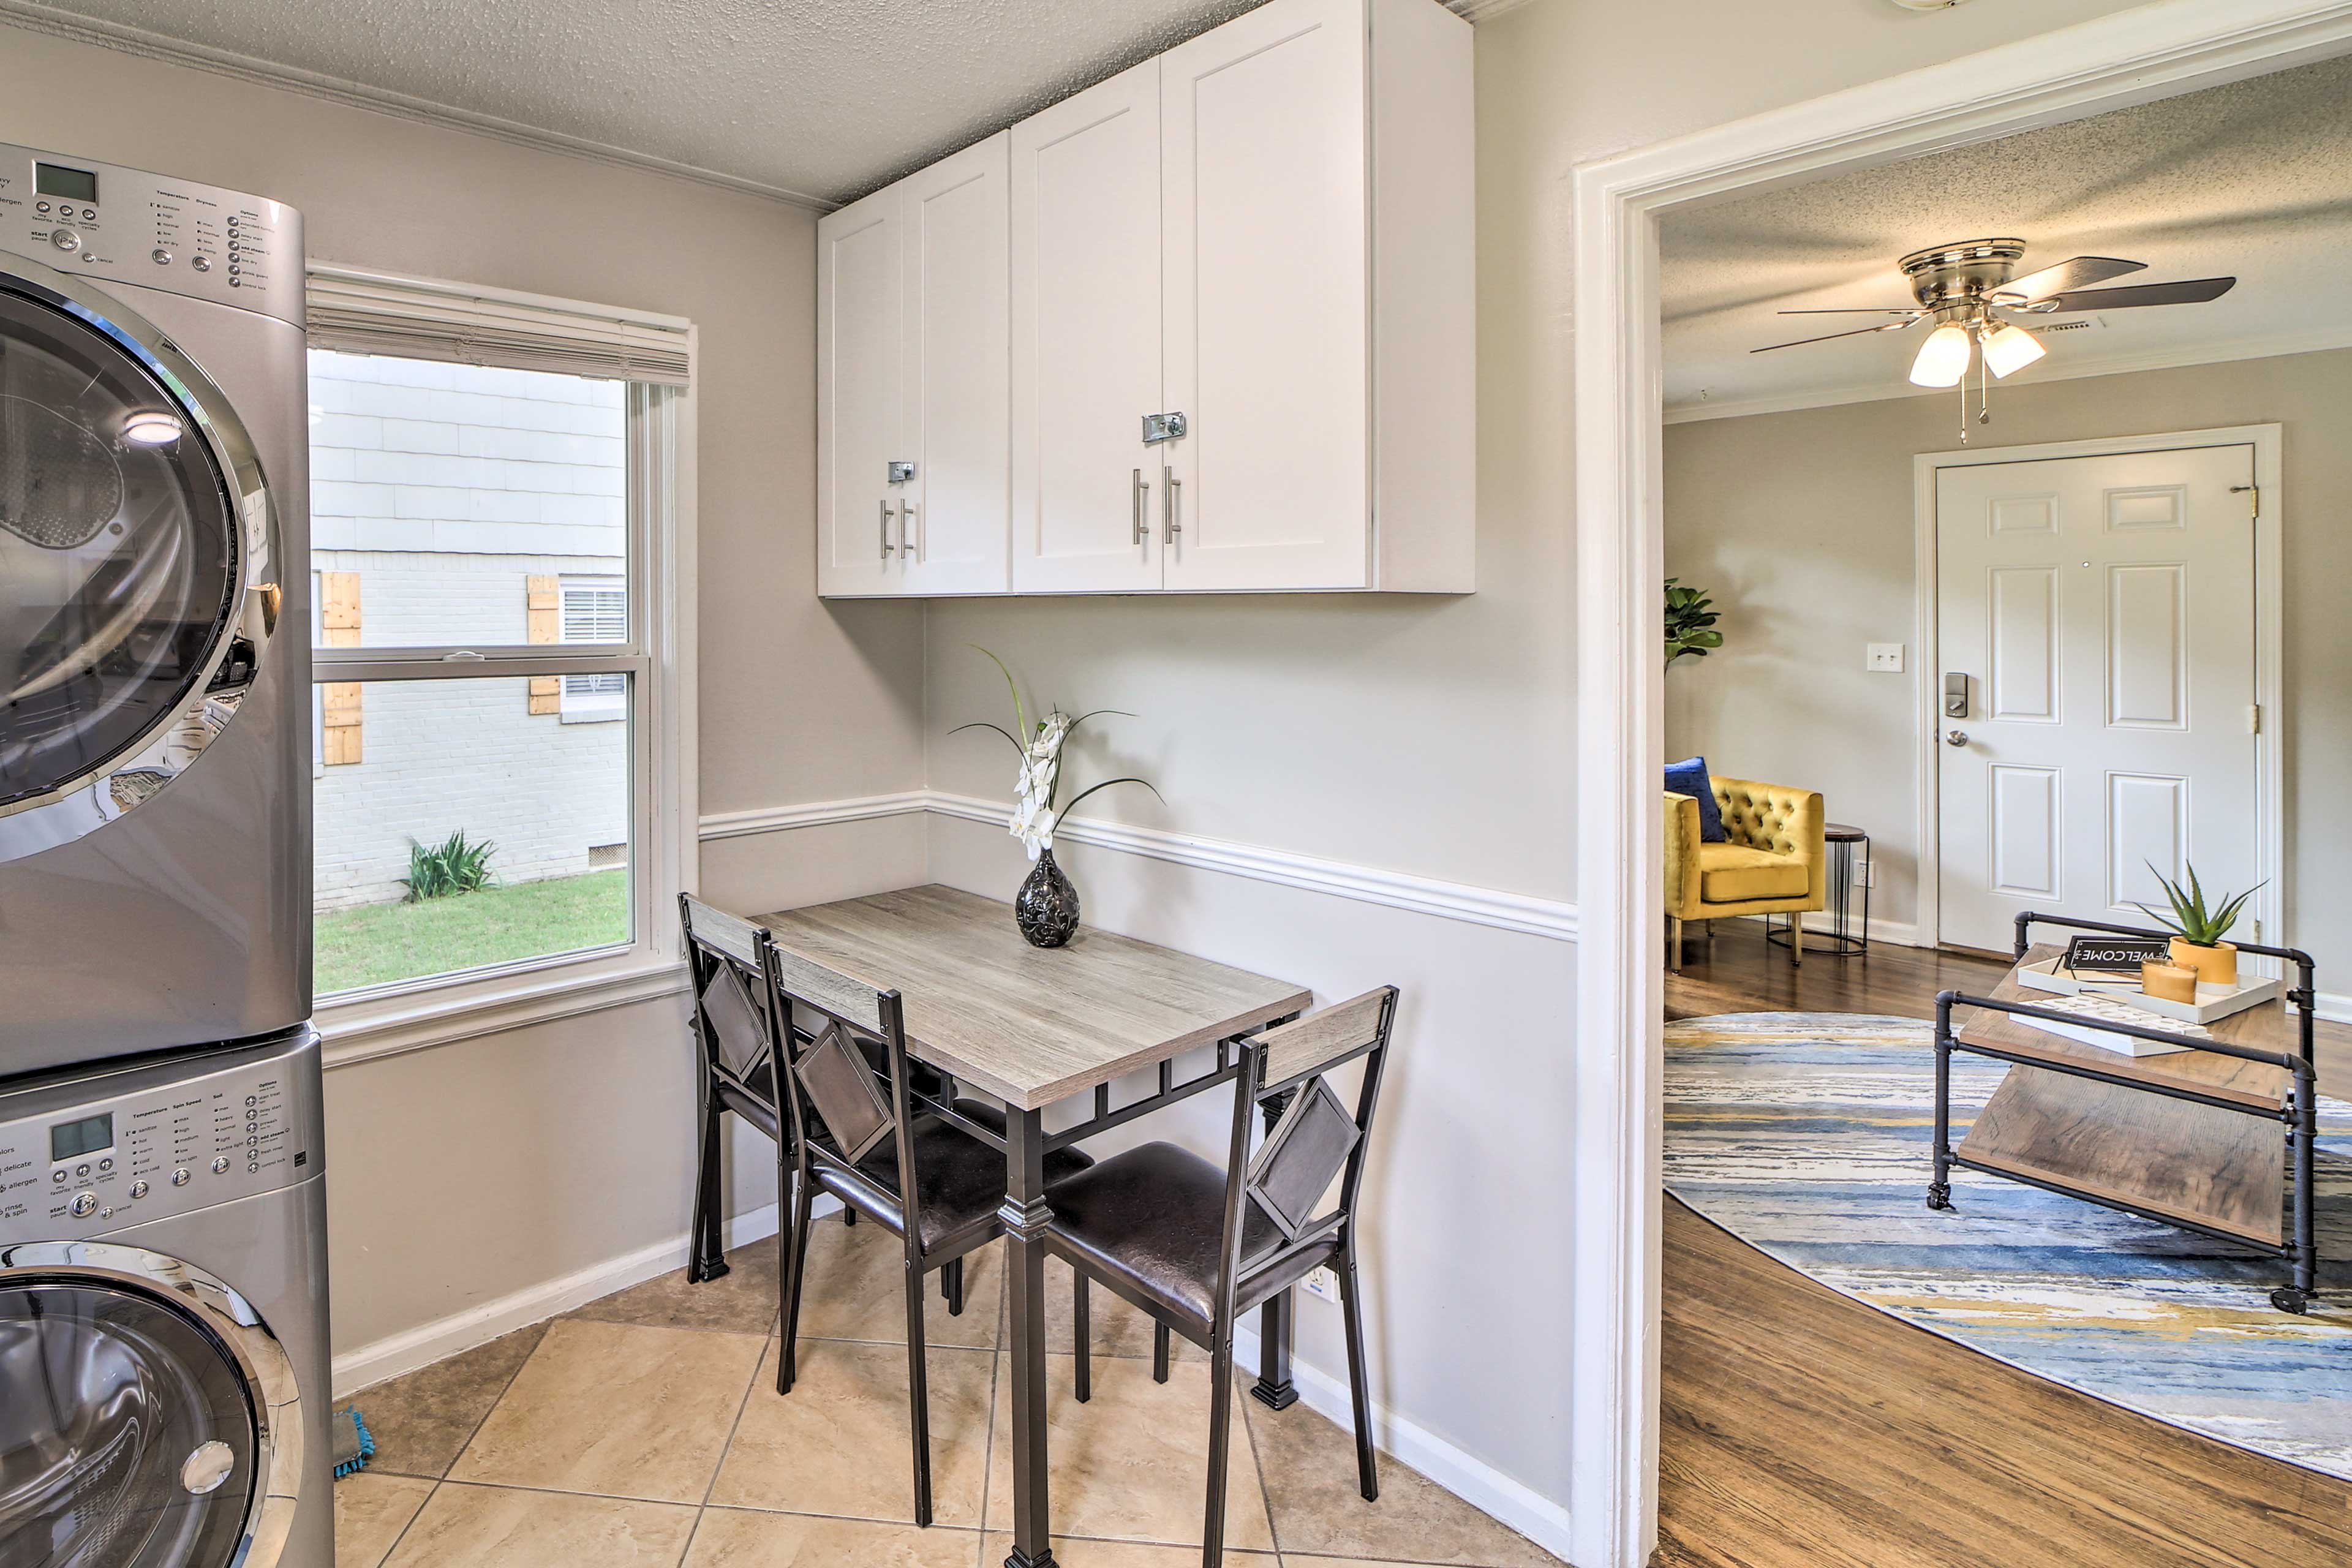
1024,1214
1274,1388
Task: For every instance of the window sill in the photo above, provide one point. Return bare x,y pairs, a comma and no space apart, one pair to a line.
369,1028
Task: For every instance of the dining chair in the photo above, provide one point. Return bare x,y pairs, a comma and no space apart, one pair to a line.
1197,1248
865,1119
735,1051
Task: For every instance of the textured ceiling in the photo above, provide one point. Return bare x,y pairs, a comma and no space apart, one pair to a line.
2252,179
826,98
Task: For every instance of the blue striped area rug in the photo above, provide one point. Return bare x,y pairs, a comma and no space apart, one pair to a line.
1807,1135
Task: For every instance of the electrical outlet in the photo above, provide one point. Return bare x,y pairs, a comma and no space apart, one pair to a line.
1322,1282
1865,874
1884,657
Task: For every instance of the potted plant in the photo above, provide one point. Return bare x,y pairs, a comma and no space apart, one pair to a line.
1689,623
1046,907
2198,932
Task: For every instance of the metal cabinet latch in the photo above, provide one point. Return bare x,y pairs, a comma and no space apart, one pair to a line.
900,472
1160,428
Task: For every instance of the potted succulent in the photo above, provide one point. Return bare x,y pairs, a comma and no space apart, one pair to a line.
2198,932
1046,907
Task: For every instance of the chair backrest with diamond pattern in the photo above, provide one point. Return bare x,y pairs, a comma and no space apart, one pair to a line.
734,1021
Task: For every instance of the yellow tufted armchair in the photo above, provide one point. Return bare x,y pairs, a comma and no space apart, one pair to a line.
1770,862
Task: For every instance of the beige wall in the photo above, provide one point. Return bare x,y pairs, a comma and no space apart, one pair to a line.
1801,524
468,1172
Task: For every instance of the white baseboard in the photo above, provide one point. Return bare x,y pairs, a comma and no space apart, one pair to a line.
1893,933
2335,1006
1472,1480
366,1365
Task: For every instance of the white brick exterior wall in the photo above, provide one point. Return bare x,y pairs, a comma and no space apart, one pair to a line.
444,487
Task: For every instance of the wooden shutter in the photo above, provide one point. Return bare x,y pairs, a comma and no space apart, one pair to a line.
340,742
543,622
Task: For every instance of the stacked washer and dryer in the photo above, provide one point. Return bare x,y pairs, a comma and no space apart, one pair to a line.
163,1350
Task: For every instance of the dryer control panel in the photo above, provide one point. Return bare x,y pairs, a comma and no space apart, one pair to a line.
89,1153
127,225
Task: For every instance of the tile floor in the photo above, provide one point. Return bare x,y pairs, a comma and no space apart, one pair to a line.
644,1431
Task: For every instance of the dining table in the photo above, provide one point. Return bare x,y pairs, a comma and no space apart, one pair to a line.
1036,1029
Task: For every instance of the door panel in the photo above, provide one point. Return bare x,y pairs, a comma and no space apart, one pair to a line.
1264,161
957,424
860,363
2103,609
1085,337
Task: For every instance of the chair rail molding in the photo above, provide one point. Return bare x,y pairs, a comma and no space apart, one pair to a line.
1525,912
2134,57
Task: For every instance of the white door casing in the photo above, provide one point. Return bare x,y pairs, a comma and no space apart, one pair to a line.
957,383
860,367
2103,610
1265,159
1087,339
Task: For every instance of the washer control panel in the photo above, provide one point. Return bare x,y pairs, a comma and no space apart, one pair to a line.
77,214
86,1155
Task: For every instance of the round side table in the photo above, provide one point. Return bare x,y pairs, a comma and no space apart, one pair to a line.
1842,940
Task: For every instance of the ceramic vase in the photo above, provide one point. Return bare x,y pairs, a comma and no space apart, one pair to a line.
1046,907
2215,965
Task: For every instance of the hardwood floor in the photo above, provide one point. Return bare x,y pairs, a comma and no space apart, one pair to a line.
1801,1429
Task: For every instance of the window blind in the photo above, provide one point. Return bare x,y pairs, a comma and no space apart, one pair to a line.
353,311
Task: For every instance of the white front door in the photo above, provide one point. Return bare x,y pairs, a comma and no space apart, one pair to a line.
2097,636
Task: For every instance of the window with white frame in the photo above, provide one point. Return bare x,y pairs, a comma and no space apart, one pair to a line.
500,785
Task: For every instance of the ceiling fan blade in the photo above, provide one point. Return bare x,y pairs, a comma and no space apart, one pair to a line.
2192,292
1861,310
2079,273
1858,331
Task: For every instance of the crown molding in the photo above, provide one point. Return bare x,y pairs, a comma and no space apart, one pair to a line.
1483,10
2271,345
38,18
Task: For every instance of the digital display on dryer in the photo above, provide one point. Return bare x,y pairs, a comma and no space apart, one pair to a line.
71,1140
74,184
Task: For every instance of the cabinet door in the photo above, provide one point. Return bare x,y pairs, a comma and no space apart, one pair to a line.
959,325
1087,339
859,363
1264,163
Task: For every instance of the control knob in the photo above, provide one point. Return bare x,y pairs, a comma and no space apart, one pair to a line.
65,240
85,1205
220,1165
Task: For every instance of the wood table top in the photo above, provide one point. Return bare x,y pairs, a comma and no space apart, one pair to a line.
2268,1027
1031,1025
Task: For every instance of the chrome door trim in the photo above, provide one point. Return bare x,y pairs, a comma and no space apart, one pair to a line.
231,1321
85,804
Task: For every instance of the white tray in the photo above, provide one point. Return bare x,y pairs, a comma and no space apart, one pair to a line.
2213,1002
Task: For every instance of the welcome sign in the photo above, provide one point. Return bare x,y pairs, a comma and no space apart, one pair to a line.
2119,955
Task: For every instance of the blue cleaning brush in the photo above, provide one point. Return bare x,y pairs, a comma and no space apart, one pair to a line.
353,1443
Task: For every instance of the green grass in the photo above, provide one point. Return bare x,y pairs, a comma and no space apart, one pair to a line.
375,945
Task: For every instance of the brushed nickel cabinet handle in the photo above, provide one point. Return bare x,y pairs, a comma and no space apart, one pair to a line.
1175,502
1143,504
886,530
906,518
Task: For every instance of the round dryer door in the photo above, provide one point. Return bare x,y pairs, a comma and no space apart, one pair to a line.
139,1430
132,523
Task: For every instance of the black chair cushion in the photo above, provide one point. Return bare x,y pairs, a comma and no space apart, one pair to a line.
1153,1218
755,1107
960,1179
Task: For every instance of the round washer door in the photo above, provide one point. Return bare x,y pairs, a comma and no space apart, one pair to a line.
140,1429
133,522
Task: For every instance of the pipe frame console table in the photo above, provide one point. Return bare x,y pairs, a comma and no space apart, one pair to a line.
2297,1111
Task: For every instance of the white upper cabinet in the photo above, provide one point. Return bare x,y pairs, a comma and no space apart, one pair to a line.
957,383
1263,241
860,350
1087,339
1263,164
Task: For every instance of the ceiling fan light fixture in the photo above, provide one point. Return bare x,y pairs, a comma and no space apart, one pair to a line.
1944,357
2011,349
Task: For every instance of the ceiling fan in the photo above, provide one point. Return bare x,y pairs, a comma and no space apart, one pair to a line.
1967,289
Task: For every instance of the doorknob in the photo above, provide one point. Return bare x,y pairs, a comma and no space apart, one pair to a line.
1956,738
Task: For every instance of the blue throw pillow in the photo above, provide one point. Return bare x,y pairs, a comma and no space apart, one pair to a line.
1689,777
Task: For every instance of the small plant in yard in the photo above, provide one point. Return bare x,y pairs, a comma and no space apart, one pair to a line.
1689,622
452,866
2190,918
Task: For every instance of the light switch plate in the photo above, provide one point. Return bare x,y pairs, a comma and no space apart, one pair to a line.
1884,657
